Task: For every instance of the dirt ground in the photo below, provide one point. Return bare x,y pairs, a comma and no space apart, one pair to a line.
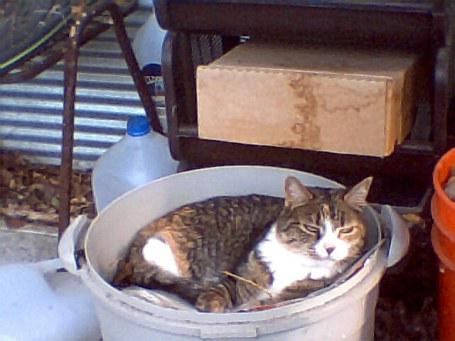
407,306
29,193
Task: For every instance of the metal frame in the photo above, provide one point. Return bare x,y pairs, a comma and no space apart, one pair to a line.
82,29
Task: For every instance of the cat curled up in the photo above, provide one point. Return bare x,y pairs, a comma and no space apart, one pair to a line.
226,251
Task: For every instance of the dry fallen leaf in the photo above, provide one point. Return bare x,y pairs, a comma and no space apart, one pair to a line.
413,218
33,190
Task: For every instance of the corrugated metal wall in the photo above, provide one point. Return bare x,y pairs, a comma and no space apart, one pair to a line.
31,112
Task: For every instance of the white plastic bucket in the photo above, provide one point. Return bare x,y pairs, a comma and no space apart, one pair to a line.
343,313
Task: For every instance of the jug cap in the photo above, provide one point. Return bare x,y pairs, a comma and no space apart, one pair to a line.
138,126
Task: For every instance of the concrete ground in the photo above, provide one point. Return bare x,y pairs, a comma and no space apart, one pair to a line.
38,302
30,243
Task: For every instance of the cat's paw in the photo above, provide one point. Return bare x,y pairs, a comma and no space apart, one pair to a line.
213,301
321,273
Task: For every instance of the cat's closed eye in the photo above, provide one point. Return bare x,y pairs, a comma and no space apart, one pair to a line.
347,229
294,224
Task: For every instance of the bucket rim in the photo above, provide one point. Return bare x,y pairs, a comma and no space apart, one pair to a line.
440,193
286,317
331,183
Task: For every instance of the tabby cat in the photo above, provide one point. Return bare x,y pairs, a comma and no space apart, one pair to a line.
226,251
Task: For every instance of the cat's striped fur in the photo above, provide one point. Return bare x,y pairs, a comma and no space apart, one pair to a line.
288,247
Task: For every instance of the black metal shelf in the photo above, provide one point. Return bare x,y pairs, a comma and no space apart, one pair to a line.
201,31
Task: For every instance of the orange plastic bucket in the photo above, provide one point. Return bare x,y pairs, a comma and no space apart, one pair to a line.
445,249
443,241
444,207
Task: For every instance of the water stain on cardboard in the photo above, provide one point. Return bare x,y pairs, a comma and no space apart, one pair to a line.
305,112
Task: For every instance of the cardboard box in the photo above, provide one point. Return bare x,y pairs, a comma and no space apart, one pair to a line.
336,100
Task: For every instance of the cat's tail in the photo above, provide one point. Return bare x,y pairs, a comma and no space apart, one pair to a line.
123,275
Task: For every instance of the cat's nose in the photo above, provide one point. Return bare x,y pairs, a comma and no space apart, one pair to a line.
329,249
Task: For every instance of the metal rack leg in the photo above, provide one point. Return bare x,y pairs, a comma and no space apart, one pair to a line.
128,54
70,79
66,168
441,99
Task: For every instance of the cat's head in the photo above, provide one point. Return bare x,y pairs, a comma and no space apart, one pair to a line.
325,224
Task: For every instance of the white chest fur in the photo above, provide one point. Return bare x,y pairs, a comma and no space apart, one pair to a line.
288,267
159,253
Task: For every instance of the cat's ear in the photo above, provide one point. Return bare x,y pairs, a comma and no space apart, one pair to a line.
296,193
357,195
